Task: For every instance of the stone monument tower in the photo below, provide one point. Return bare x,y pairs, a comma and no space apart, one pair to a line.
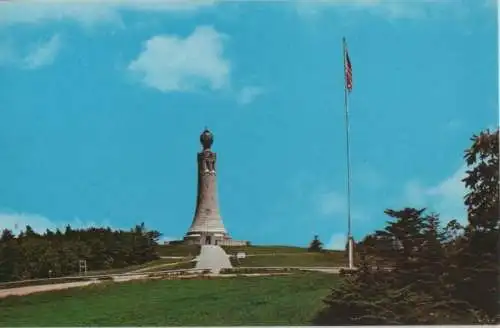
207,227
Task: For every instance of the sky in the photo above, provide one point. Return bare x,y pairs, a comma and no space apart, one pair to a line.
102,104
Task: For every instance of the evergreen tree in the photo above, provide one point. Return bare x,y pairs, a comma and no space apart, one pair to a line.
316,245
477,267
32,255
437,276
6,236
30,233
411,291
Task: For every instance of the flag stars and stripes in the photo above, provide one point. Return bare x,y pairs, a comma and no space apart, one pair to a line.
348,70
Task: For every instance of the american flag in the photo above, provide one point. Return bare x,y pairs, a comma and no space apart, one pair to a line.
347,69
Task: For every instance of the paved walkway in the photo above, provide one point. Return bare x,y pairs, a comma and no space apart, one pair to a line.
20,291
213,258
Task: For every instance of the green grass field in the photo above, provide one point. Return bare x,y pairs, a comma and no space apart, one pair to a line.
278,300
186,250
264,249
155,263
293,260
178,250
153,266
171,266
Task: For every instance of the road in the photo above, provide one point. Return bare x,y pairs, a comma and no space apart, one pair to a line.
212,258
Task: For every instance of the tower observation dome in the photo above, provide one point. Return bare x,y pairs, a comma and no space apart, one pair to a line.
206,139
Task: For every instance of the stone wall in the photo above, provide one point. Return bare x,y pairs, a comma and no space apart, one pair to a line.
231,242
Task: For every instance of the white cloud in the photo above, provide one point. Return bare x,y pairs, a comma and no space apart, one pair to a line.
44,54
337,241
454,125
88,12
171,63
248,94
386,8
415,193
332,203
366,176
445,197
7,54
491,4
17,222
449,195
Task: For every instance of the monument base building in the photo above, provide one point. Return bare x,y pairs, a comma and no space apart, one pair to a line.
208,239
207,227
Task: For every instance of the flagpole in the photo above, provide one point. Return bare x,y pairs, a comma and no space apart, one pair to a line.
348,158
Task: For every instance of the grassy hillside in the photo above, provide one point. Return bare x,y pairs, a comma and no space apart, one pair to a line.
144,266
279,300
178,250
153,266
186,250
265,249
299,259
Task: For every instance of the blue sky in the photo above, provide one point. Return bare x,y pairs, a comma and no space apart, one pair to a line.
101,107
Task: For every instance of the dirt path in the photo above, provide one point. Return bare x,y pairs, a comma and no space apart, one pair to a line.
20,291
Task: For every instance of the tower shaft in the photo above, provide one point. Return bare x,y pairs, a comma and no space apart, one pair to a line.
207,226
207,217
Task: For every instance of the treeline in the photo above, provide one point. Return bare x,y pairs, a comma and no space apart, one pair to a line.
31,255
415,271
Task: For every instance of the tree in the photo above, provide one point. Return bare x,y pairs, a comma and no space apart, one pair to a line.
316,245
9,255
436,276
32,255
482,181
30,233
477,258
413,291
6,236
